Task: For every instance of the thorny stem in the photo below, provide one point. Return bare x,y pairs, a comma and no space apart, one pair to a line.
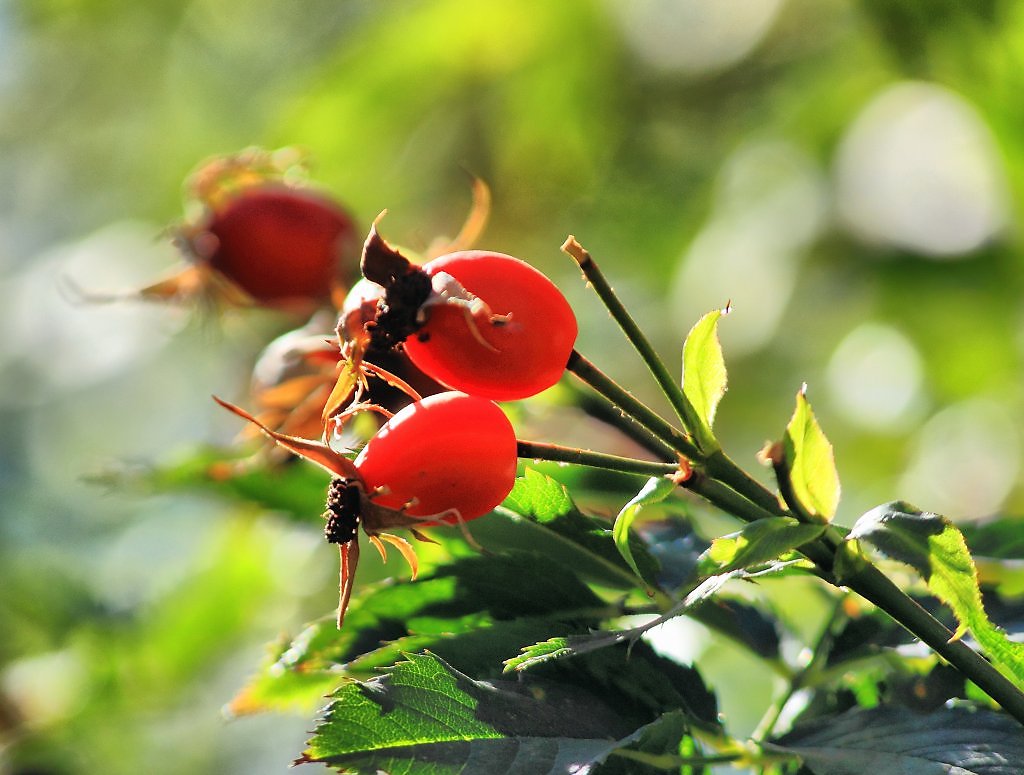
871,584
669,386
541,451
721,466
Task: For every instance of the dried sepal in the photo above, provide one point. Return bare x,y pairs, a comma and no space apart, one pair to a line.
349,560
313,451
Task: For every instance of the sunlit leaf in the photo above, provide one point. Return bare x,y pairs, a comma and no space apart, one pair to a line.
539,496
757,543
422,716
655,490
935,548
811,463
704,376
895,741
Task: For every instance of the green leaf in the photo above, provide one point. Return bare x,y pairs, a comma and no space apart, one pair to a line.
935,548
655,490
756,544
472,613
632,673
554,648
423,716
704,376
539,497
891,740
548,522
811,463
997,546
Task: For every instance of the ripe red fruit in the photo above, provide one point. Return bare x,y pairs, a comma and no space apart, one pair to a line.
446,459
275,242
448,451
520,355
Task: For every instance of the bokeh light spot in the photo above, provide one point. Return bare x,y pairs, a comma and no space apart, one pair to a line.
918,170
875,378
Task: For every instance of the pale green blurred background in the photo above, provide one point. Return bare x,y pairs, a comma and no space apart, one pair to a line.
848,173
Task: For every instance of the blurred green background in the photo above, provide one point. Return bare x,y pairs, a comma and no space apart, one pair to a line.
849,174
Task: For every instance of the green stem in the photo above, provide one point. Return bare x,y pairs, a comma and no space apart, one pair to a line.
672,390
600,408
730,488
542,451
626,402
721,467
871,584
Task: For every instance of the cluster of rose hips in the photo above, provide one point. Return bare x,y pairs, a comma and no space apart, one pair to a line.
479,325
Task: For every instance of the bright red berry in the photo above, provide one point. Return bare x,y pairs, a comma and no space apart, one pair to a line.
449,452
519,351
448,458
275,242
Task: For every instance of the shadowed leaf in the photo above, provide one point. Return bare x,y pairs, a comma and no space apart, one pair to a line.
566,535
423,716
894,741
935,548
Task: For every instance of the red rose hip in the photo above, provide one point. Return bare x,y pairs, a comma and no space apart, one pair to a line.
522,352
449,451
277,243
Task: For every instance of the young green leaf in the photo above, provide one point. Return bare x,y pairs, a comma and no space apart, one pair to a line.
757,543
655,490
704,376
423,716
891,740
935,548
539,496
810,462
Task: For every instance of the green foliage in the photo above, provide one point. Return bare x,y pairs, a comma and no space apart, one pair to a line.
810,462
893,741
422,716
129,620
654,491
294,489
935,548
704,375
758,543
586,544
